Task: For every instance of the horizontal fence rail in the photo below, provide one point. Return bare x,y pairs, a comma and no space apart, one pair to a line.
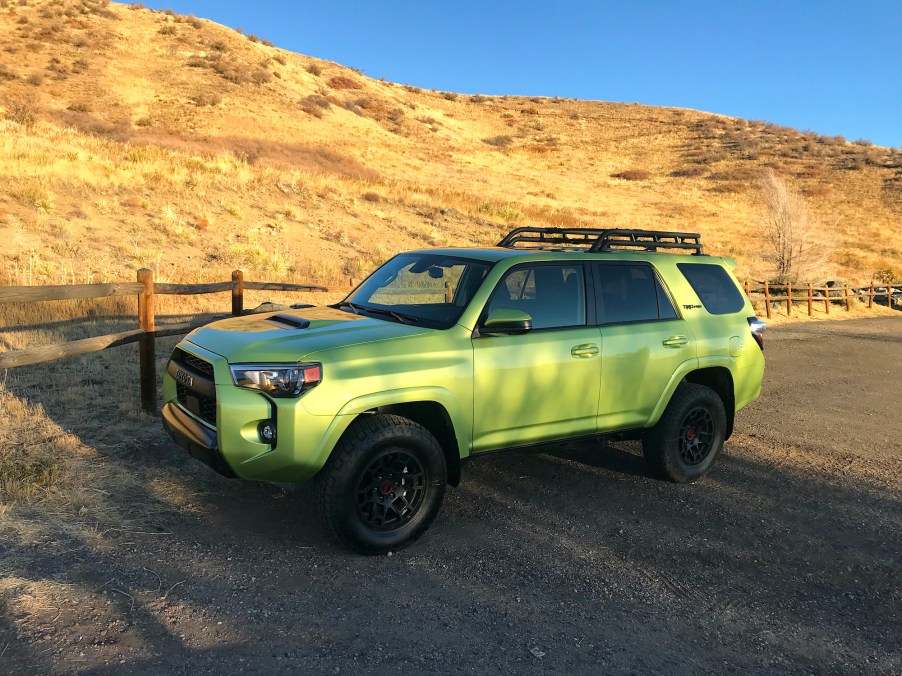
146,334
807,293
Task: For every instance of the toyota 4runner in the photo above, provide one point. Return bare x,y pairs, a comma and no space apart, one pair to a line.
444,354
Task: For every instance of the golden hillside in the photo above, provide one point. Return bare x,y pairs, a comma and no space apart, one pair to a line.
132,137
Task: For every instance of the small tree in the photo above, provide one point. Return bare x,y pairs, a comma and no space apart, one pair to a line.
797,243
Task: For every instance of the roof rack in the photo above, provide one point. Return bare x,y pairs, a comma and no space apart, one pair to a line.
597,239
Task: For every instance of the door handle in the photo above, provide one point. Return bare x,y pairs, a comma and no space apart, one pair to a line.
584,351
675,341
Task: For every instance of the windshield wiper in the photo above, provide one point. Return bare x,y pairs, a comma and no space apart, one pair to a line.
404,319
354,308
357,309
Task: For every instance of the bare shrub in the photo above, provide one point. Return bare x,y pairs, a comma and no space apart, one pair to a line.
633,175
690,172
343,82
501,141
24,110
478,98
206,99
219,46
314,69
450,96
315,105
168,29
371,197
798,246
6,73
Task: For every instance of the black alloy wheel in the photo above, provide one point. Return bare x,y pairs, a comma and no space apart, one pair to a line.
696,437
391,490
684,444
383,483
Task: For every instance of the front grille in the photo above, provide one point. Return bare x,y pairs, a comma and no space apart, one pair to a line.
201,406
201,398
196,363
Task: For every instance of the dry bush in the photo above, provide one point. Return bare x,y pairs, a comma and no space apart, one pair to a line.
206,99
450,96
478,98
798,245
6,73
500,141
314,69
315,105
343,82
690,171
633,175
371,197
23,110
740,174
167,29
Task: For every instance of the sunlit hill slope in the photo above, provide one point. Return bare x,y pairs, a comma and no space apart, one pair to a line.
138,138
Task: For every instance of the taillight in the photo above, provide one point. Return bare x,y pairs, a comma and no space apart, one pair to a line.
757,327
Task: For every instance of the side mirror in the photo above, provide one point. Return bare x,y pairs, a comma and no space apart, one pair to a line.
506,321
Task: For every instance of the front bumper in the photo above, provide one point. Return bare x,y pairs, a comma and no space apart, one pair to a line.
196,438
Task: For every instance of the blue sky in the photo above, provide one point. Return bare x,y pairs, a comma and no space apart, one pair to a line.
832,67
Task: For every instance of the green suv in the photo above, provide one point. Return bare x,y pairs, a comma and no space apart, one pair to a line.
445,354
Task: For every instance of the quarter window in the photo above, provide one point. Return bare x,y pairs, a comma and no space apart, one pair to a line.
631,293
714,287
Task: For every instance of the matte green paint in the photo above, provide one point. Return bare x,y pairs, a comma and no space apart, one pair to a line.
498,390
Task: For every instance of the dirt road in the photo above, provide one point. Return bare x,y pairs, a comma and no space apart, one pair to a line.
787,558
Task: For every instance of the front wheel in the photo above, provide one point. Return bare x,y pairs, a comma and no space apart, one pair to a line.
383,484
684,444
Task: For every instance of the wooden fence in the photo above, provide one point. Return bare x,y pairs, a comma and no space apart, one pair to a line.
145,335
806,293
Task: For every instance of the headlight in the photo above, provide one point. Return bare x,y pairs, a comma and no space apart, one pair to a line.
278,380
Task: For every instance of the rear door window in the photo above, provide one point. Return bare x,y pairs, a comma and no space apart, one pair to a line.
714,287
630,292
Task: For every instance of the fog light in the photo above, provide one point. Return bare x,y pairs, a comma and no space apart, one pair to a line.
267,431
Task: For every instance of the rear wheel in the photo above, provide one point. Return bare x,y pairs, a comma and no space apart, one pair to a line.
684,444
383,484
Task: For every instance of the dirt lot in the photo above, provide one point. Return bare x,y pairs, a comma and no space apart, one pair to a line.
786,558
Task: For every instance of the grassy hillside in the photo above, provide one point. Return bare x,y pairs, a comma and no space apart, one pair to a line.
131,137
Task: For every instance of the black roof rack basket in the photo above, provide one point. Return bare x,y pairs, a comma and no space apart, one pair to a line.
597,239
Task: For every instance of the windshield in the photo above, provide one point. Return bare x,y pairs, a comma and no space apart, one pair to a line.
423,289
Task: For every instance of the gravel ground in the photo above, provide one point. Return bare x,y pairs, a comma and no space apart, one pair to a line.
785,559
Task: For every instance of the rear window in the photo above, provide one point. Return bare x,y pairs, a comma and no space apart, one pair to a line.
714,287
630,293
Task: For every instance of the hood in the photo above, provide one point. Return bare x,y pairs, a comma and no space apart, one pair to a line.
290,335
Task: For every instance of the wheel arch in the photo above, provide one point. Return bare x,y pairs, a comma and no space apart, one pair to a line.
435,418
719,379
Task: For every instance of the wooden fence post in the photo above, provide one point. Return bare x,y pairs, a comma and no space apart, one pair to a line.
847,298
827,299
237,293
810,300
871,296
147,352
789,300
767,299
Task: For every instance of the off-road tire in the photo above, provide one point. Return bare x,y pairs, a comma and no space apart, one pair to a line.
673,448
350,491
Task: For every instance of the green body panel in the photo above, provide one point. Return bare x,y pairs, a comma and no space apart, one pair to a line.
514,376
497,390
637,368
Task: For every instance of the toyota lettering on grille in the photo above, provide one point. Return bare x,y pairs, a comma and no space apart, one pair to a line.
184,378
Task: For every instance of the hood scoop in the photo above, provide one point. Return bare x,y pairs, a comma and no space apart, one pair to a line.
289,322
